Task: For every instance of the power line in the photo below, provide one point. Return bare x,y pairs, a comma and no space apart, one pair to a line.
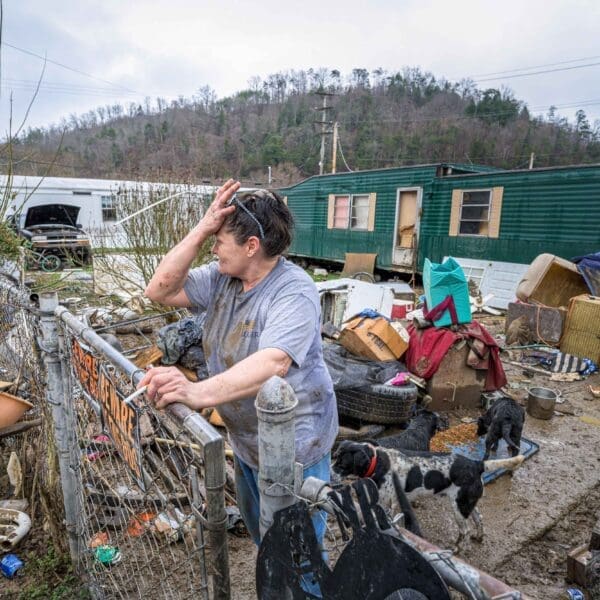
594,64
564,62
63,66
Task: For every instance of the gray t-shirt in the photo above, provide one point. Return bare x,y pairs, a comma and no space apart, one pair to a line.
282,311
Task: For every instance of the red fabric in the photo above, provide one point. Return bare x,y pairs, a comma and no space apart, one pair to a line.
437,312
427,348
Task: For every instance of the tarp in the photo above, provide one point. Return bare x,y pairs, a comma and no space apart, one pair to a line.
589,267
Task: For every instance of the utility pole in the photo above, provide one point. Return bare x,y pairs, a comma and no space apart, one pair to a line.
334,150
531,159
324,127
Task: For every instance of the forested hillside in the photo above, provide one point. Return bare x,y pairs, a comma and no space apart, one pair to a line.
385,120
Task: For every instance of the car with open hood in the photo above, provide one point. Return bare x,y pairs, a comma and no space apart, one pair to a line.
52,230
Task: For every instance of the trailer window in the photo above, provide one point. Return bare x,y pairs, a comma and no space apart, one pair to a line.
475,213
109,209
359,212
351,211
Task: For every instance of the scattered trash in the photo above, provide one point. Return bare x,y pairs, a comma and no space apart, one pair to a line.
139,524
10,565
99,539
15,474
235,524
590,420
107,555
14,526
94,451
400,379
574,594
595,391
568,377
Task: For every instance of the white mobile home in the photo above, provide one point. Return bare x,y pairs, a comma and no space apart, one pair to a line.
92,202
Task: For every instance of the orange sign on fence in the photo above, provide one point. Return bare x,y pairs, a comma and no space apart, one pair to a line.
120,421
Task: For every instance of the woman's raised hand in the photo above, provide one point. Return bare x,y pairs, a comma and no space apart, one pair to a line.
219,210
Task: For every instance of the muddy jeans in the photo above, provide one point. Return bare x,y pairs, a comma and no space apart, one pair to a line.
246,485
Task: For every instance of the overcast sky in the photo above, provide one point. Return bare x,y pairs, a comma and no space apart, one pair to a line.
168,48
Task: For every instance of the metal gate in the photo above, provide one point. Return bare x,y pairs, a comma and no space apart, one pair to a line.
143,489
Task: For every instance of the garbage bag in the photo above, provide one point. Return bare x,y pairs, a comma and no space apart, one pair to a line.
348,371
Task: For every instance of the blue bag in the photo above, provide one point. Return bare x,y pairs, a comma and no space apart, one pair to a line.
443,280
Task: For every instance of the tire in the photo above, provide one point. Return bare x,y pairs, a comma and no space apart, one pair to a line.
378,403
50,263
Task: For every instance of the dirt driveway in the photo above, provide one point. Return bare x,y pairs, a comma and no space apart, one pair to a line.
531,519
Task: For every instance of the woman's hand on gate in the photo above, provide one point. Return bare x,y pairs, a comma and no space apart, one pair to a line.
167,385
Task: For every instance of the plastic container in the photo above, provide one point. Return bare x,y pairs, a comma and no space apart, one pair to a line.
12,409
541,402
10,564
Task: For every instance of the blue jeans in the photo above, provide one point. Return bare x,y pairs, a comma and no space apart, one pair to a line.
248,499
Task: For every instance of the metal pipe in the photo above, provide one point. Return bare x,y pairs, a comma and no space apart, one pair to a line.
275,407
64,426
492,586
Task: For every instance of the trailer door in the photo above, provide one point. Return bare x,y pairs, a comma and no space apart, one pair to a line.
408,204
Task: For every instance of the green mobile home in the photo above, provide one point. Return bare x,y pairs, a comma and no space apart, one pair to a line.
409,213
513,216
375,211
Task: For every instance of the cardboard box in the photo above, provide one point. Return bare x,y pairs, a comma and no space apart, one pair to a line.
581,336
372,338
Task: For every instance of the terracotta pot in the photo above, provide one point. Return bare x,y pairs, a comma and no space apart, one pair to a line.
12,409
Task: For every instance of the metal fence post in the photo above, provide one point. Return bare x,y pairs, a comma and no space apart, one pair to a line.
64,424
275,407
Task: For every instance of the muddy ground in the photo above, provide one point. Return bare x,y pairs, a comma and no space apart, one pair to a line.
531,519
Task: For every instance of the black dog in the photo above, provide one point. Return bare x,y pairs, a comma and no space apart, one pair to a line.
422,474
503,420
417,435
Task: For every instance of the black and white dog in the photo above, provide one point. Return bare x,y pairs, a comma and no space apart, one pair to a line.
423,474
417,435
503,420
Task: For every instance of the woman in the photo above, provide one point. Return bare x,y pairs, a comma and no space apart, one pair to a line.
262,319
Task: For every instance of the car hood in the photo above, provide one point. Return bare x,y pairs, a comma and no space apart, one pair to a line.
52,215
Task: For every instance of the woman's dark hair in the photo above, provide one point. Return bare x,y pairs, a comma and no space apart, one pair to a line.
272,214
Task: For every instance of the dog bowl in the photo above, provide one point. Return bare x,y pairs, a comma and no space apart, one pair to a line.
12,409
541,402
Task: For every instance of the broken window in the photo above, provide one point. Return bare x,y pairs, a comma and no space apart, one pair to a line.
351,211
476,212
109,209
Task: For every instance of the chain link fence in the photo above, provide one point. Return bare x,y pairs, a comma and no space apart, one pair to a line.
27,452
139,493
148,507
